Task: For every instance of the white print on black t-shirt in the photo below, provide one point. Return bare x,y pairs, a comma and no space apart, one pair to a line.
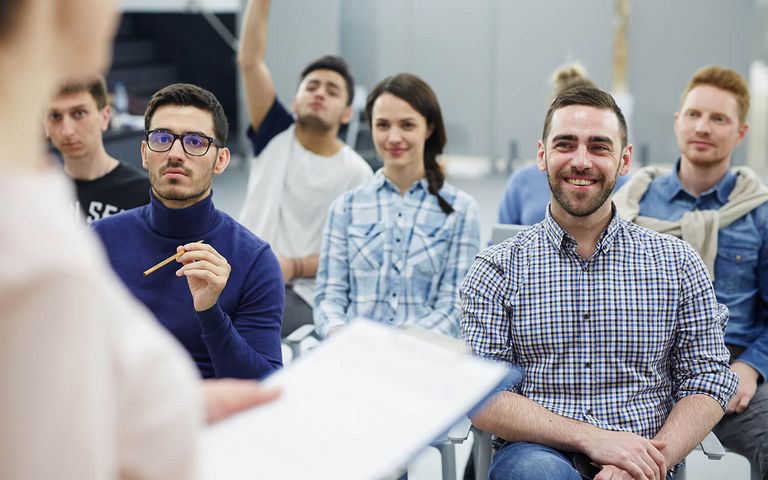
98,210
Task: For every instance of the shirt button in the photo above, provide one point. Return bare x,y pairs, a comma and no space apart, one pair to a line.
397,240
586,316
738,258
400,214
585,268
589,411
394,294
588,364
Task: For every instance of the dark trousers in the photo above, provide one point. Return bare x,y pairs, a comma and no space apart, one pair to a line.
297,312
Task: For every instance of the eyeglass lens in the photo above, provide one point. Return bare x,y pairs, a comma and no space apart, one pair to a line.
192,143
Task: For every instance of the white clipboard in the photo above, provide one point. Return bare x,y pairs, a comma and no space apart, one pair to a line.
359,406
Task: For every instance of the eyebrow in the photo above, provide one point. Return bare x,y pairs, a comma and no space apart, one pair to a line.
319,81
188,132
568,137
600,139
573,138
74,107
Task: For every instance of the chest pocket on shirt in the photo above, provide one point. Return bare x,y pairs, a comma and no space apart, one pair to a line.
366,246
429,249
735,268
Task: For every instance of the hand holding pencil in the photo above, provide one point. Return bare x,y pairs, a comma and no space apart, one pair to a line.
206,270
166,261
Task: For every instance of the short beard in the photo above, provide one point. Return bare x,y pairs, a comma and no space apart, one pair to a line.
313,123
562,199
169,192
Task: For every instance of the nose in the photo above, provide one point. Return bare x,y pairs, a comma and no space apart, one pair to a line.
67,126
581,158
176,150
702,125
394,135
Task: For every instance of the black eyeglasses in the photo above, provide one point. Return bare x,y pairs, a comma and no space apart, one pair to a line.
194,144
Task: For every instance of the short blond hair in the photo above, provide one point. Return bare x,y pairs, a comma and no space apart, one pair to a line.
724,79
570,75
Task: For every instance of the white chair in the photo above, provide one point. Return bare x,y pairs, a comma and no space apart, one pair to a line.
503,231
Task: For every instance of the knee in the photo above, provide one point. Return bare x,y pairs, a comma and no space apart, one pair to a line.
531,464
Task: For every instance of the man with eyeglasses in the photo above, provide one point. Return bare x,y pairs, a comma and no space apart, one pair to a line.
227,317
75,120
299,165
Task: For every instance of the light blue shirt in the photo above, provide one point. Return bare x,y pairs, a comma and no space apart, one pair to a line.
741,265
395,258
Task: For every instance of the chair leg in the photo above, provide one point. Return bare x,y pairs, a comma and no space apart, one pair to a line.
448,460
481,449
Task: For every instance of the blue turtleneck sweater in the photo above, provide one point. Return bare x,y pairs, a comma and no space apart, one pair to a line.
237,337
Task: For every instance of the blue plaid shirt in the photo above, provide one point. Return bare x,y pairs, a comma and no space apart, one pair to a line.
613,340
395,259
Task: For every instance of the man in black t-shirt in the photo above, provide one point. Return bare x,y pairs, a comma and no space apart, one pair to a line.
74,122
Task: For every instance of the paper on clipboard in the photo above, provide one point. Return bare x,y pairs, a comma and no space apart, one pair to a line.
358,407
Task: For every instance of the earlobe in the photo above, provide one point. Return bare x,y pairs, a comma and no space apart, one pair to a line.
222,161
743,130
626,159
347,116
144,155
541,157
106,115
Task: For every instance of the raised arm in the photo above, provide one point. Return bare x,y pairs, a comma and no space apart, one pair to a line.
257,81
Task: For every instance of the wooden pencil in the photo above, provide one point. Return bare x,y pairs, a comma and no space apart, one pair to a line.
166,261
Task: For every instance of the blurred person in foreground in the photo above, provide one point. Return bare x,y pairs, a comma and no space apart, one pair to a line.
92,388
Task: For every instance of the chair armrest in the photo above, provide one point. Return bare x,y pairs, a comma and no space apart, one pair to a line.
460,432
304,331
712,447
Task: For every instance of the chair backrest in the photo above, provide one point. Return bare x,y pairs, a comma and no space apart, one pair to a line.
503,231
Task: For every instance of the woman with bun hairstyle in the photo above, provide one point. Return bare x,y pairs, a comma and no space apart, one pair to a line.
395,249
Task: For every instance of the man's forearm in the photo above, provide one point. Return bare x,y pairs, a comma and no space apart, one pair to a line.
518,419
253,33
688,423
257,81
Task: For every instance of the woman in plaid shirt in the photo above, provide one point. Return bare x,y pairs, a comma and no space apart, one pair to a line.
396,248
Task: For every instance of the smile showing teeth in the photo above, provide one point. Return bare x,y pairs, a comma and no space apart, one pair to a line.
582,182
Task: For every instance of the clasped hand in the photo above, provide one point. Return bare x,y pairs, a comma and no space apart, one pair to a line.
625,455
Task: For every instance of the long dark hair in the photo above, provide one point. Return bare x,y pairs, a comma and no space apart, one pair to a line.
422,98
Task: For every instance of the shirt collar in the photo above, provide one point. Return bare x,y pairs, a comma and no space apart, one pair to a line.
670,187
381,181
562,241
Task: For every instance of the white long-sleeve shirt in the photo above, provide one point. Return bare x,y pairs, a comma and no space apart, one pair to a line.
91,387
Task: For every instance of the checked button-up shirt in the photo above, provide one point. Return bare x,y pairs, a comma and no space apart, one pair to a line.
394,258
613,340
